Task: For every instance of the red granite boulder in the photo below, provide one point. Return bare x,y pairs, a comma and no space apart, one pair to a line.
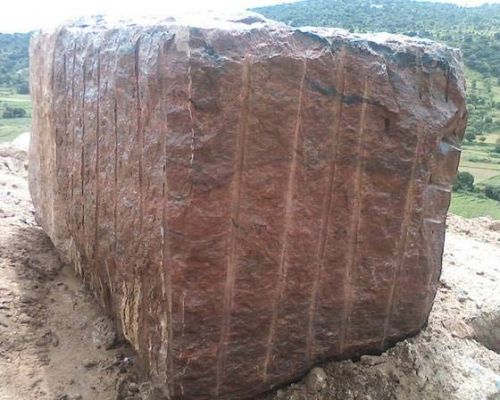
246,199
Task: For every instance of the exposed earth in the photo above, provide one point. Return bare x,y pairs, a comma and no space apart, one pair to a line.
55,344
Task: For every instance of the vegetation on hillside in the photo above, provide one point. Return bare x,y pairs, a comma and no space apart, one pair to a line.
15,104
15,114
14,61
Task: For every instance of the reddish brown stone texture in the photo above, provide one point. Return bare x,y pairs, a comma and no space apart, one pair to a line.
247,200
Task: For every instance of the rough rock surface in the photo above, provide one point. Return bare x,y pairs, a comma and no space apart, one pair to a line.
47,352
246,199
452,358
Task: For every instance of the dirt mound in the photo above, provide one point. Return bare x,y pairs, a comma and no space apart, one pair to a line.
481,229
55,344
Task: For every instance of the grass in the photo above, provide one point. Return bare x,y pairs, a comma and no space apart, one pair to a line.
478,159
495,91
10,128
13,127
492,137
481,171
470,205
9,98
495,181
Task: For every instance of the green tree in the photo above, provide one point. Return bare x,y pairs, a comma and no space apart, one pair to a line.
497,146
492,192
464,181
470,137
14,58
14,112
23,88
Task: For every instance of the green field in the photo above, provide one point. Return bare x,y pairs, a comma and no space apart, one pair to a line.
10,128
471,206
484,164
482,170
495,181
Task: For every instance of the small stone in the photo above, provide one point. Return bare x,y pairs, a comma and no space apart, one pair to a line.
27,299
149,391
104,335
495,227
445,284
458,328
133,387
372,360
316,380
89,363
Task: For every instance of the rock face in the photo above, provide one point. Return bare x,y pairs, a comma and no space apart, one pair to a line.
246,199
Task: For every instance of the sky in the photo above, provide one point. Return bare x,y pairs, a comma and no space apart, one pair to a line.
27,15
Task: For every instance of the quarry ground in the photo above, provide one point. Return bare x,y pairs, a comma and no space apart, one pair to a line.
54,343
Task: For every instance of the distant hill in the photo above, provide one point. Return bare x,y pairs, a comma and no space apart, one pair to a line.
14,60
475,30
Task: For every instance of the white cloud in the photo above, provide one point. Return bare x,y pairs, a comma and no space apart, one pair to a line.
25,15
